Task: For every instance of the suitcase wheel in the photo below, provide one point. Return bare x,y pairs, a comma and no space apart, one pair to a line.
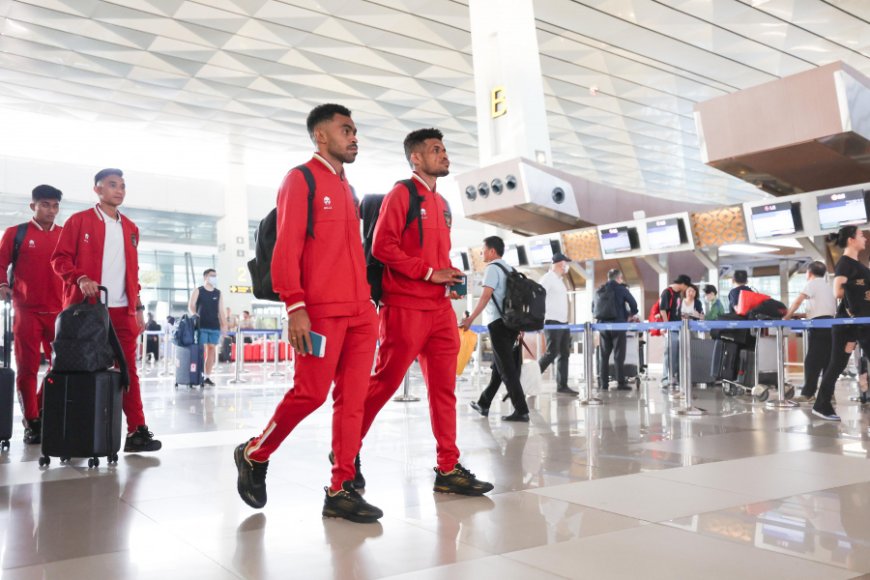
44,460
789,392
761,393
94,462
113,459
64,459
4,445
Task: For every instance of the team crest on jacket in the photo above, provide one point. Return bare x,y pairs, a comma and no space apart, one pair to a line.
423,213
31,244
87,238
134,240
327,202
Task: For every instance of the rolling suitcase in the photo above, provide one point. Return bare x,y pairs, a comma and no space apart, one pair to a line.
189,364
82,416
7,382
705,366
727,356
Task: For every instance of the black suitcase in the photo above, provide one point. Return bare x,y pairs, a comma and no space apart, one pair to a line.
705,365
7,382
226,347
727,354
189,363
746,372
81,416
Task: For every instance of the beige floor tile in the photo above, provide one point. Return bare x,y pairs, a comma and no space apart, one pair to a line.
491,567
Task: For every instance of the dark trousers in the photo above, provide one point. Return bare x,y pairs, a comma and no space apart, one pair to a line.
558,346
839,358
612,341
506,369
816,359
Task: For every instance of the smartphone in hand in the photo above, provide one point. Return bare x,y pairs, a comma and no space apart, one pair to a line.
461,288
318,344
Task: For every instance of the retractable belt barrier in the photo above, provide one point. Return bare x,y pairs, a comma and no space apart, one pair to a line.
685,354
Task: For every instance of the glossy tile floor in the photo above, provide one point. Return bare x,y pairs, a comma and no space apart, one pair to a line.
618,491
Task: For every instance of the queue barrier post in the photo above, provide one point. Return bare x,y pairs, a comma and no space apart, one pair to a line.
275,372
588,399
240,355
688,410
166,356
781,402
858,357
406,396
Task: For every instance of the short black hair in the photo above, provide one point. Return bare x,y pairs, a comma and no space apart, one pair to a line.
322,113
418,137
104,173
741,276
208,271
46,192
613,274
710,289
818,269
495,243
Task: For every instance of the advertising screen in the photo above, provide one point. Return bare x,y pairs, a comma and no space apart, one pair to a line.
842,209
615,240
775,219
540,252
664,233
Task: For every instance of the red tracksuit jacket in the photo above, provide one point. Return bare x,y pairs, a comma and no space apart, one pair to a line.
325,274
79,252
408,266
37,287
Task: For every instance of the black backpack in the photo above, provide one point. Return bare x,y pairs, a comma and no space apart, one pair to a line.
85,340
524,307
606,307
371,210
20,232
184,331
770,309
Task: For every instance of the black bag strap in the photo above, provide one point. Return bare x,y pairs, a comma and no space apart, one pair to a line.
20,232
507,273
415,201
114,342
312,186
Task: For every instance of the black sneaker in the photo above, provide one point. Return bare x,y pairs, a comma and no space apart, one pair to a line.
252,478
460,481
141,440
350,505
33,432
208,382
480,408
359,482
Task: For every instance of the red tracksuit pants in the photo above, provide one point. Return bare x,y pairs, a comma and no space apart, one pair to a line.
432,337
128,335
31,330
350,350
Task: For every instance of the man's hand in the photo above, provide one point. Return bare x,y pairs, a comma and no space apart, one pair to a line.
465,324
88,287
5,292
447,276
455,295
299,326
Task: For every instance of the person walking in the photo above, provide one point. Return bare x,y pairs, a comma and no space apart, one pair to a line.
558,339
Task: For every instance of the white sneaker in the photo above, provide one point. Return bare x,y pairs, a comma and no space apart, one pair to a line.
802,399
831,417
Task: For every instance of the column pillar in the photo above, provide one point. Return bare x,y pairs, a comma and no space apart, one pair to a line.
511,112
232,232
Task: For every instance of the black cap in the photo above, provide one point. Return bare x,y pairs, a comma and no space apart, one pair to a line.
683,279
560,257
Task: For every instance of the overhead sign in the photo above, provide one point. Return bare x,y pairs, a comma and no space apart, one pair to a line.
241,290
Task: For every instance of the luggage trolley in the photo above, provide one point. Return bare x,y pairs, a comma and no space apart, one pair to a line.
755,379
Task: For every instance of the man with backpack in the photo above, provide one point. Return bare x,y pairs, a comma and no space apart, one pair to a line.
98,247
503,337
37,296
417,320
318,271
613,303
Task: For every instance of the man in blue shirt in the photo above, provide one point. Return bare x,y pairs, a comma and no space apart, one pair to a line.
741,278
622,306
503,338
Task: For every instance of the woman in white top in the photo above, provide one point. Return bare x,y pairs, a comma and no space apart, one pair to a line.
819,296
690,304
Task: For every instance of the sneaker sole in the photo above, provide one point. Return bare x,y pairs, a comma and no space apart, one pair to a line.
237,457
351,517
825,417
451,491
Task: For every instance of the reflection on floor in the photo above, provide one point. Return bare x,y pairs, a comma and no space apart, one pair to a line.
624,490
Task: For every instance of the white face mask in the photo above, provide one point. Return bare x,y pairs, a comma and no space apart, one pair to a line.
212,280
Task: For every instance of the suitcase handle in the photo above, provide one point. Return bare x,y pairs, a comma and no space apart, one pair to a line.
7,333
102,290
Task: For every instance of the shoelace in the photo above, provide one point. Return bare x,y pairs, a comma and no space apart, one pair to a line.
464,472
259,470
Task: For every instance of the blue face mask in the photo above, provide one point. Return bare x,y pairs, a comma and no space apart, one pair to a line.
212,280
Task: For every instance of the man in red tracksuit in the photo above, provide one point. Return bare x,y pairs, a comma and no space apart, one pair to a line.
36,296
417,320
321,278
99,247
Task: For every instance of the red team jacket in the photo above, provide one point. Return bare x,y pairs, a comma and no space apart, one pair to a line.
408,266
79,253
37,287
325,274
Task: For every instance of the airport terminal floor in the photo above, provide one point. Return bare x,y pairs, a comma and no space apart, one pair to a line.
623,490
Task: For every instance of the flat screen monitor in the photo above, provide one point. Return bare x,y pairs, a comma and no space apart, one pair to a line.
842,209
515,255
459,260
617,240
666,233
540,252
776,219
556,246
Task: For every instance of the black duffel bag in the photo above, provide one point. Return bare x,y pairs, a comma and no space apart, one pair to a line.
85,340
740,336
